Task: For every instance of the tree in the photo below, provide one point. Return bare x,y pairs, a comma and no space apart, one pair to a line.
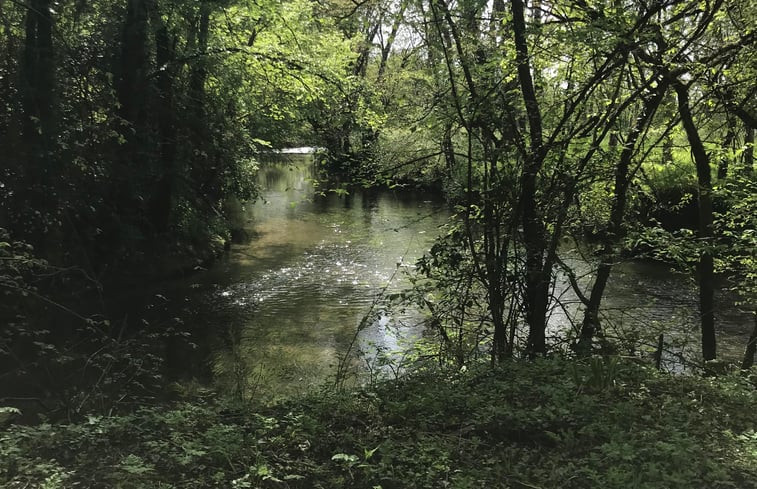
587,118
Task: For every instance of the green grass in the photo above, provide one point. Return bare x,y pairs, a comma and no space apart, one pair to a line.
548,424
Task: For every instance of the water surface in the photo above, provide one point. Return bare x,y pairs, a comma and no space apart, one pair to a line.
280,311
290,301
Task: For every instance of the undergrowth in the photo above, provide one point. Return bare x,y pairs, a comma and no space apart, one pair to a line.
545,424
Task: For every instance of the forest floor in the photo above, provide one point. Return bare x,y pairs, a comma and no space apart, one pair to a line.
527,425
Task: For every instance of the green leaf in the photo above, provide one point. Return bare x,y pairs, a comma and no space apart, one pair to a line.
345,457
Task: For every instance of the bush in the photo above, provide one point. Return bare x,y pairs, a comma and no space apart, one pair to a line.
542,424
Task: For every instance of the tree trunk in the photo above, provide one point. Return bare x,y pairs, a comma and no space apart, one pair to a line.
537,272
199,135
132,90
199,73
615,232
497,310
38,166
386,48
160,204
9,66
132,82
667,150
705,267
725,158
37,81
751,347
749,149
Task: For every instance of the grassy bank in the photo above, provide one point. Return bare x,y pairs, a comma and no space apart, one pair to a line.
547,424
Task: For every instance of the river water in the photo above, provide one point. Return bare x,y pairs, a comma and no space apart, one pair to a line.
285,307
277,313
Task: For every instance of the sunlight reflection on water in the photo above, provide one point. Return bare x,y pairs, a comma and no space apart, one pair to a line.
285,306
295,295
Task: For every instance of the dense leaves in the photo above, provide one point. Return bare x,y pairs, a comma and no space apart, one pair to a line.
522,425
543,122
134,125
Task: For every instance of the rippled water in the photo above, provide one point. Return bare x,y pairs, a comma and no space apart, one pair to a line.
289,302
279,311
645,298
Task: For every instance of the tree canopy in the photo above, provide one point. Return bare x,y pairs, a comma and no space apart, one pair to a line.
132,132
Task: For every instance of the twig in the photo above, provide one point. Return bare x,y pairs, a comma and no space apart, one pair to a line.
47,300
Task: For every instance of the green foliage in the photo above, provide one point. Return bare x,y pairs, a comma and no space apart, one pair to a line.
449,288
133,132
737,224
85,363
602,373
158,110
521,424
18,268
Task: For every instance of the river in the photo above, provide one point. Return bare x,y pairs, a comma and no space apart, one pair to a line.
278,312
284,307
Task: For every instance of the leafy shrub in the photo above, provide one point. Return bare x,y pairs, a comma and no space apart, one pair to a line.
525,424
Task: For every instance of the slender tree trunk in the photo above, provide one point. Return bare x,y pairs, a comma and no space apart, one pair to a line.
160,205
199,135
667,150
38,166
28,77
751,347
38,80
132,81
725,158
199,71
537,272
497,310
386,49
749,149
132,90
623,178
6,88
704,194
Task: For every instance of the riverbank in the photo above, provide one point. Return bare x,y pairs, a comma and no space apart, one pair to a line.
168,261
274,314
552,423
